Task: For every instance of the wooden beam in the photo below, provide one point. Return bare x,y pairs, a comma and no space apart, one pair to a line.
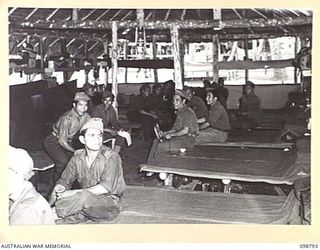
118,12
128,14
183,14
31,14
114,63
215,56
52,14
149,15
280,145
71,41
180,24
89,14
54,42
167,15
259,13
105,12
174,31
94,45
154,55
237,13
216,14
140,17
19,44
74,15
11,11
246,76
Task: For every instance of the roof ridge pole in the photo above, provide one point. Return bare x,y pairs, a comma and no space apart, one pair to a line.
174,31
114,63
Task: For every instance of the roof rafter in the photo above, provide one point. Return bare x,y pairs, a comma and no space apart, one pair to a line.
105,12
31,14
183,14
237,13
167,15
52,14
149,15
89,14
126,15
118,12
258,12
11,11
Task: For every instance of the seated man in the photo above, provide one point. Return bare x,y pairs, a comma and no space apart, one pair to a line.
107,113
26,205
185,127
98,170
143,110
215,127
196,103
60,144
249,109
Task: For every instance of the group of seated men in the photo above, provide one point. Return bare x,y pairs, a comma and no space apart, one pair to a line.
76,147
97,168
190,119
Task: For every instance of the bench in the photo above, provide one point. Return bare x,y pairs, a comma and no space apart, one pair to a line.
144,205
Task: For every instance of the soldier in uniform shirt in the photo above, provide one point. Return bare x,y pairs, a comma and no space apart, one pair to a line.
185,127
60,143
98,170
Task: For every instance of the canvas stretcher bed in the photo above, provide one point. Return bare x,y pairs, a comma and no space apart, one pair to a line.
143,205
274,164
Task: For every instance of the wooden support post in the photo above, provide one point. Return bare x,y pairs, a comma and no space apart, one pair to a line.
182,53
154,53
114,62
215,56
41,56
295,53
106,52
75,15
176,57
246,58
140,17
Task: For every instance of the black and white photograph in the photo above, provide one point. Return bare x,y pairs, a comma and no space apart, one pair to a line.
159,115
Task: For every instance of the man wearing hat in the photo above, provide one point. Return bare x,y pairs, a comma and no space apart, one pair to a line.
60,144
185,127
98,170
107,113
196,103
26,205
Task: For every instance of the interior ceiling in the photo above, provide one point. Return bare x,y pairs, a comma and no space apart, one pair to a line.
52,24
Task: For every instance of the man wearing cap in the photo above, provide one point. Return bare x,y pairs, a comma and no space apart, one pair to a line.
26,205
196,103
60,144
107,113
216,126
98,170
185,127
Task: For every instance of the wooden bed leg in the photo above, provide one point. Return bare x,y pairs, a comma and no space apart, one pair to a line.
227,186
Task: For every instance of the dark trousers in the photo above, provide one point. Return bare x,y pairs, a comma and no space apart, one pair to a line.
58,154
120,141
147,125
85,205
